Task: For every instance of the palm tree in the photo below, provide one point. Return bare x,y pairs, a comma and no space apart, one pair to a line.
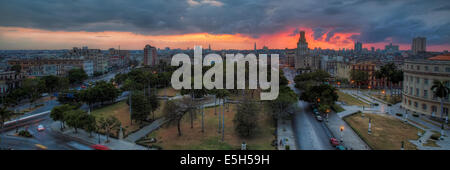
440,90
379,75
222,94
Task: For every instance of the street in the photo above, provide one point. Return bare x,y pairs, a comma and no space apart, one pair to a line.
48,138
310,133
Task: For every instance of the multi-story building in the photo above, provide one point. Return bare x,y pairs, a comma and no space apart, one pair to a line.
10,80
418,78
43,67
419,45
304,61
368,67
358,47
150,56
290,57
343,70
88,67
100,61
118,58
391,48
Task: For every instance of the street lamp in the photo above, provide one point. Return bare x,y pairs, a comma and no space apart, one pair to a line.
342,133
328,111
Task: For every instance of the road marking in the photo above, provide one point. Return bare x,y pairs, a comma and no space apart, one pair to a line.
41,146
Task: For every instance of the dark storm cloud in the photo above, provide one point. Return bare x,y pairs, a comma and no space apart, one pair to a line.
376,21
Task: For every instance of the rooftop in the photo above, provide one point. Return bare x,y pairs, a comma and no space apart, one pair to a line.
443,57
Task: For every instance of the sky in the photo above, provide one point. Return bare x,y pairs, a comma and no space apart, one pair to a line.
223,24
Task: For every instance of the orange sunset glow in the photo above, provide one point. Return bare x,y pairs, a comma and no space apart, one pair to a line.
43,39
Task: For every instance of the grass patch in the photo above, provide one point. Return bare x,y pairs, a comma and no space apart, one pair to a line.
337,108
431,143
121,111
388,98
193,139
418,124
350,100
432,122
387,131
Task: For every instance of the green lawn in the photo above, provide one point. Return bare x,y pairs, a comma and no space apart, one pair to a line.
350,100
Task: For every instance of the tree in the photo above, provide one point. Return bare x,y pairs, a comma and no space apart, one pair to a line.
440,90
246,118
51,83
5,114
75,118
90,124
33,88
284,101
325,93
58,113
378,74
359,77
109,124
388,72
175,110
17,68
222,94
397,77
77,76
153,102
140,106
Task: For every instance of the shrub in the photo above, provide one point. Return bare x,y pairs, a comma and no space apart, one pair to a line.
287,147
435,136
25,133
415,115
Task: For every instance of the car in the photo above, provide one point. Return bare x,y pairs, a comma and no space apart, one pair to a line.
319,118
334,142
40,128
340,147
100,147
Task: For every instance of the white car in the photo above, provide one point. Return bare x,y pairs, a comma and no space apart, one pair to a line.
40,128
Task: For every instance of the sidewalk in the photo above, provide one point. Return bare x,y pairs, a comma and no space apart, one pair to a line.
145,130
285,134
351,140
113,143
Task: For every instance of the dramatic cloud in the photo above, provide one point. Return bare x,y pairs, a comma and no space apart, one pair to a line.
374,21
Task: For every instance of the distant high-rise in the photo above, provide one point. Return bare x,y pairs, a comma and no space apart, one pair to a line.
150,56
419,44
358,46
391,48
255,46
303,59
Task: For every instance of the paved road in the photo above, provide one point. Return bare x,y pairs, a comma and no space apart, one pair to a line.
48,138
310,133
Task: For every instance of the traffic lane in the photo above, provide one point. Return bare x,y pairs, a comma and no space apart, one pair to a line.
50,139
17,143
54,140
310,133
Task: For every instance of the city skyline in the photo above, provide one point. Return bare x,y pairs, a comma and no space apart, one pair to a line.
223,24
